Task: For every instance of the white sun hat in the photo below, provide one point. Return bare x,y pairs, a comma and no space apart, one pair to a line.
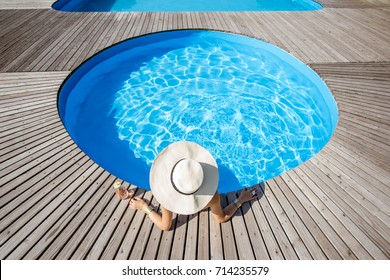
184,177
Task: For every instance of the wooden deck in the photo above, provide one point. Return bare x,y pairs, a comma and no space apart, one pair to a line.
58,204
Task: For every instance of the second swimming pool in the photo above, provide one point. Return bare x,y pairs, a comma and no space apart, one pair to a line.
184,5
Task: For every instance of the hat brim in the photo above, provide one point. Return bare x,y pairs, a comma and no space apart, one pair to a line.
160,178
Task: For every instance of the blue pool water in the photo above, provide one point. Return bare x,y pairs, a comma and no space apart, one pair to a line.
184,5
257,109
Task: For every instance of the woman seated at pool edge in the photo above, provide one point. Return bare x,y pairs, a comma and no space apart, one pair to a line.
184,180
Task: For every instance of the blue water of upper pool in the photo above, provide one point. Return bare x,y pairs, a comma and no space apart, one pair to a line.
184,5
257,109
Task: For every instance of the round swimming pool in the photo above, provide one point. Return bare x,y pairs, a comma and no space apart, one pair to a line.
257,109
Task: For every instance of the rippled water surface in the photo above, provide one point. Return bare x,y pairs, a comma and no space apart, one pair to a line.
258,114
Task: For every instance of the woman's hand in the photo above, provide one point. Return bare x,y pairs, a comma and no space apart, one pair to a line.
138,203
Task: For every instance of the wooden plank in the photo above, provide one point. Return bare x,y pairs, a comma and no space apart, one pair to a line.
15,37
19,172
150,22
26,160
165,248
203,236
127,29
81,52
360,171
152,247
13,151
244,246
369,132
13,131
339,204
18,115
27,48
96,230
58,45
369,112
333,214
110,228
100,35
293,237
133,231
10,105
228,240
114,30
367,215
179,239
360,20
18,147
69,221
353,4
216,246
280,235
64,47
27,205
34,181
138,27
359,152
271,244
143,238
355,185
13,91
30,107
380,129
9,110
190,250
86,218
8,22
18,244
303,241
13,145
117,237
254,233
118,32
314,222
372,88
22,119
349,42
26,129
317,210
26,4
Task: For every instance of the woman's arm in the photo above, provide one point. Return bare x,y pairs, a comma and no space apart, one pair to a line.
163,222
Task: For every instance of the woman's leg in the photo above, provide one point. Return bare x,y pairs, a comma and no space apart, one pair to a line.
224,214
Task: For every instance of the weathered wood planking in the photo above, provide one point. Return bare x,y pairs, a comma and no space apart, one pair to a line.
336,206
48,40
46,4
26,4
